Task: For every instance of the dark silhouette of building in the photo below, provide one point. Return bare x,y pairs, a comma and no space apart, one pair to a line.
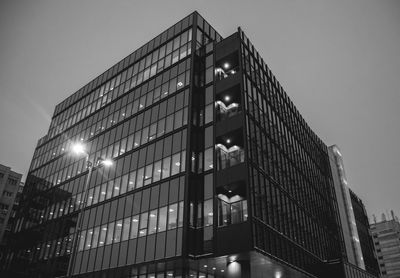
215,173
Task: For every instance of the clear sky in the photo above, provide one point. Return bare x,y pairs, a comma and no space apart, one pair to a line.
338,60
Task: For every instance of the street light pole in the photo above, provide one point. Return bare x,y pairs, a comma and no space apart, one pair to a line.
78,226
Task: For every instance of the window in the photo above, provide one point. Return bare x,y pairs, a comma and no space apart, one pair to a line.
157,171
180,218
208,213
153,222
103,232
162,222
89,235
172,216
148,174
118,230
208,117
110,233
143,224
208,159
166,167
82,241
7,193
175,164
12,181
96,233
140,176
134,226
131,180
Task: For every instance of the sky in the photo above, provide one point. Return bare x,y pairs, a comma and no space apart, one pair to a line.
339,62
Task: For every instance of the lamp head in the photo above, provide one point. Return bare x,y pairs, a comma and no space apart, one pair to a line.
107,162
78,148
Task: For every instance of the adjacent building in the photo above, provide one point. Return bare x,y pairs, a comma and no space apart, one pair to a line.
9,187
9,195
386,236
215,173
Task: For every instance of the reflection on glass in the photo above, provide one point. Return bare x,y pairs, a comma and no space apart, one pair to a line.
134,226
88,242
118,230
125,229
103,232
81,241
131,182
148,174
117,187
143,224
124,183
153,221
166,167
169,125
172,216
208,115
140,176
175,164
96,195
208,212
180,218
157,171
96,233
162,222
110,188
110,233
208,159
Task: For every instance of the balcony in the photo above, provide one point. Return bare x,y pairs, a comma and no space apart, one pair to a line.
232,204
231,213
222,73
226,111
227,65
228,157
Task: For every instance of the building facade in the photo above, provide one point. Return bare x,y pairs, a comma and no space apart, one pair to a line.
354,220
386,236
215,173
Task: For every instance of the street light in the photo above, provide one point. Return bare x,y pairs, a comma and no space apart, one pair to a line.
80,149
107,162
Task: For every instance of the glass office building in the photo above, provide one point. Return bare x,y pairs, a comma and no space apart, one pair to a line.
215,173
